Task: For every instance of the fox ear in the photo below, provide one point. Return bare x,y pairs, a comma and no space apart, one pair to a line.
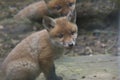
71,16
48,22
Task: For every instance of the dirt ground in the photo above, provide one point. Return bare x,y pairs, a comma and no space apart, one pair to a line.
97,67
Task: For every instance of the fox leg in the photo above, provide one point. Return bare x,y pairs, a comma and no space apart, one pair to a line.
22,70
52,74
48,68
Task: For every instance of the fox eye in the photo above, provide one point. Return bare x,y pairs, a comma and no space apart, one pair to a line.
58,7
72,32
60,35
70,4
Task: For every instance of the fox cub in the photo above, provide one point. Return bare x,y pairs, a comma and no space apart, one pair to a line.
36,53
41,8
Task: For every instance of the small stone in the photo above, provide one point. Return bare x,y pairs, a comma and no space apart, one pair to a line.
103,45
1,27
83,77
12,9
14,41
88,50
94,76
1,44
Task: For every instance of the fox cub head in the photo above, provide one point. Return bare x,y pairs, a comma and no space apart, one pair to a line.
60,7
63,30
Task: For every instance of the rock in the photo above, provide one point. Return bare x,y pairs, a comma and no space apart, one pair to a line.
95,14
96,8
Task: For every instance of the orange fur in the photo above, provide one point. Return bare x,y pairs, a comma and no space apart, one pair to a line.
41,8
36,53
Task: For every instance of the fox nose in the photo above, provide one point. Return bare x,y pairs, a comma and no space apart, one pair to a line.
71,45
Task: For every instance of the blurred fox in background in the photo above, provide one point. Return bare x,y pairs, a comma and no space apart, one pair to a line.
51,8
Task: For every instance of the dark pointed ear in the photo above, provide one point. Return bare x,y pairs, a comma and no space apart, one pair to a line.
48,22
71,16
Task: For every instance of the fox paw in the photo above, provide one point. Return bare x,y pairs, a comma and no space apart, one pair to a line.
59,78
55,78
